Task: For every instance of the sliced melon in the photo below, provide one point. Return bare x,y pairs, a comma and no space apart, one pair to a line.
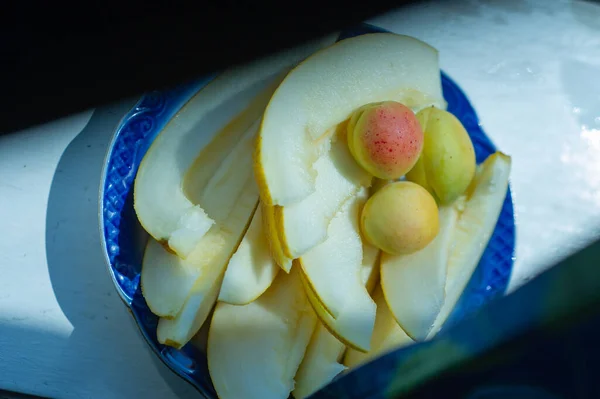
323,91
321,364
167,279
254,350
210,258
387,335
251,269
165,209
474,229
332,271
414,284
369,272
303,225
268,215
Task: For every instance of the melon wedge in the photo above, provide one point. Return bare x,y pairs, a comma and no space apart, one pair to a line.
167,211
369,272
322,361
474,229
251,269
254,350
414,284
332,272
322,92
303,225
387,335
209,258
268,215
167,279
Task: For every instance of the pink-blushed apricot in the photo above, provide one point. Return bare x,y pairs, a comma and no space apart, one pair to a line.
385,138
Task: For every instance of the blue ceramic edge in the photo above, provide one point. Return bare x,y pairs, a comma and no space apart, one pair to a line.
162,106
151,114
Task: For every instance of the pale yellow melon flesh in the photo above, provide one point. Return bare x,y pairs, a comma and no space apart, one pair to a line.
210,257
323,91
387,335
474,229
321,363
323,356
303,225
167,279
414,284
268,215
254,350
251,269
167,211
332,271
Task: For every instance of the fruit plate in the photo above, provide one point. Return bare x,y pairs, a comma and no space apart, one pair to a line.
123,238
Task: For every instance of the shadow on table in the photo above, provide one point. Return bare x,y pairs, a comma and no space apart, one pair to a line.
82,285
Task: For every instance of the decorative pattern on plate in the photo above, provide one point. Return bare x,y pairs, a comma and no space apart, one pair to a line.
124,238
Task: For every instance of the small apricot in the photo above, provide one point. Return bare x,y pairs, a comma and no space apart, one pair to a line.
447,163
385,138
400,218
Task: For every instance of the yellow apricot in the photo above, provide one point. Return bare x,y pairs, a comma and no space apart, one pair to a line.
400,218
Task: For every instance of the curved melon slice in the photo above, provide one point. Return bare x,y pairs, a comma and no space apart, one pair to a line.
414,284
323,91
321,363
254,350
387,335
369,272
474,229
169,213
332,271
303,225
251,269
167,279
268,215
210,258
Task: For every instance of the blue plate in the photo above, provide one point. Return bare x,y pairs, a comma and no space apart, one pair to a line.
124,239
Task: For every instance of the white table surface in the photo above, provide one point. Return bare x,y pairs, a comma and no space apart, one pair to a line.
532,70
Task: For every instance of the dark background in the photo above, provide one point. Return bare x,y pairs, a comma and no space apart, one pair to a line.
61,58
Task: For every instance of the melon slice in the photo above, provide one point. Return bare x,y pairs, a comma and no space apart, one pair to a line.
166,279
322,92
167,211
474,229
254,350
209,259
322,361
251,269
387,335
414,284
303,225
332,272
